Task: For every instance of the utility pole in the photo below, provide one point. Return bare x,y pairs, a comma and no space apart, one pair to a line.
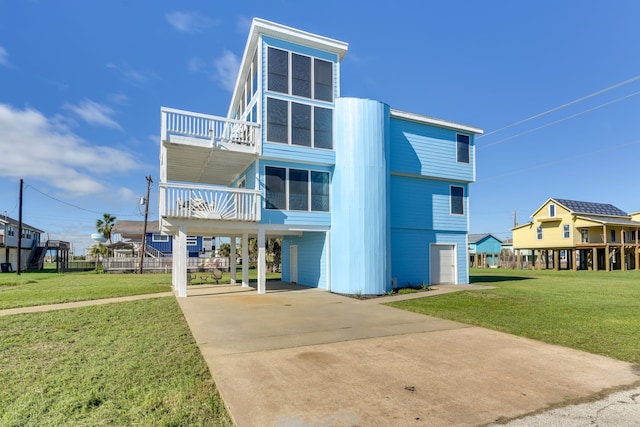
144,227
515,219
20,230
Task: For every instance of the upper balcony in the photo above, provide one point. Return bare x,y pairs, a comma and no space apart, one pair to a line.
201,148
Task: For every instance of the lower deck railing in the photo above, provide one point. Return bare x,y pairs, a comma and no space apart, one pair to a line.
209,202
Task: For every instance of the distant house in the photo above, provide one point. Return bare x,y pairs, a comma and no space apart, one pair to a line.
484,250
160,244
569,234
29,244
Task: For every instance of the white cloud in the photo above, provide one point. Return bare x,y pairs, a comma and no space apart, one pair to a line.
3,57
243,24
40,148
188,22
196,64
133,76
225,69
94,113
119,98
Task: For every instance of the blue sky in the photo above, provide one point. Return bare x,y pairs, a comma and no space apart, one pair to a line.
82,83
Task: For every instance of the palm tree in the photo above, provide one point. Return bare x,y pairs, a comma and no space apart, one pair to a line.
105,225
98,251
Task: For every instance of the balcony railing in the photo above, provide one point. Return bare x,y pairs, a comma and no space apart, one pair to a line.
218,131
209,202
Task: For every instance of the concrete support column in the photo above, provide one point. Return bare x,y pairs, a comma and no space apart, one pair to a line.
233,241
180,262
245,260
262,263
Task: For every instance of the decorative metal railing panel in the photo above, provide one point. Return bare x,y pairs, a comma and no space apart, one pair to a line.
209,202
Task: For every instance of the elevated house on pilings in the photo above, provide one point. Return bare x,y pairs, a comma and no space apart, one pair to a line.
573,235
364,197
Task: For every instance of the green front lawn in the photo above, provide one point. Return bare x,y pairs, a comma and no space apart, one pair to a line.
594,311
43,287
124,364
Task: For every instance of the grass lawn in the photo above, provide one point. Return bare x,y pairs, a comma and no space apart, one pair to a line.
48,287
594,311
132,363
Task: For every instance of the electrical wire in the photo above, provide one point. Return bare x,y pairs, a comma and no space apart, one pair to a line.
584,98
560,120
71,204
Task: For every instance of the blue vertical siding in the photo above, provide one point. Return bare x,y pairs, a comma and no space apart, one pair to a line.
360,233
312,259
422,149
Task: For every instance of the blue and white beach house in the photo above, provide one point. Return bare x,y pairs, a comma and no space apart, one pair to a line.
365,197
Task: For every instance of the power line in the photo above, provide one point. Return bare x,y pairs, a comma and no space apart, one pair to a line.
563,160
560,120
584,98
72,205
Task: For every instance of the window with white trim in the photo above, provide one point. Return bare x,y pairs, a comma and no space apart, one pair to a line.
192,241
584,235
296,189
539,232
566,231
159,238
552,210
457,200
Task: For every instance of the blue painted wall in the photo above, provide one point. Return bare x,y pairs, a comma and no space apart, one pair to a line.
489,245
312,259
421,149
360,233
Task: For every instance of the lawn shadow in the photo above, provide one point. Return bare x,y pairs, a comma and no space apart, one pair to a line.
494,279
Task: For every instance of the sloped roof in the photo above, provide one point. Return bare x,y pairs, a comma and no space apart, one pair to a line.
475,238
578,207
612,221
130,229
15,223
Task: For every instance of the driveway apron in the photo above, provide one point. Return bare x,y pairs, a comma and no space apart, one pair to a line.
306,357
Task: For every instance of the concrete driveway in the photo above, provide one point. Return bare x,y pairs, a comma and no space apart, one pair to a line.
306,357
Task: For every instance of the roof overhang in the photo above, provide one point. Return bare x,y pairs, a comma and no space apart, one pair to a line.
435,122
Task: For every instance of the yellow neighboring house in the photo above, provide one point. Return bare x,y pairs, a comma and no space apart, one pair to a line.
572,235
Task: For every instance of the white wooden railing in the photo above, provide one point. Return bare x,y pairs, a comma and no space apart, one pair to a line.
209,202
217,130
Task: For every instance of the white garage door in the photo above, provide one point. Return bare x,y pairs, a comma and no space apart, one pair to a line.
443,264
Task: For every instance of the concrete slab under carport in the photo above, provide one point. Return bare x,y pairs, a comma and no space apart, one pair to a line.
299,356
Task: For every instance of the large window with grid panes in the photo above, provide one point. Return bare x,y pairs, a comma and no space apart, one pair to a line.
305,117
296,189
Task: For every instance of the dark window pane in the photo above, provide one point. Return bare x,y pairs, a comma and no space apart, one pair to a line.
298,190
320,191
278,69
322,128
457,200
275,183
463,148
301,124
323,80
301,79
277,120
